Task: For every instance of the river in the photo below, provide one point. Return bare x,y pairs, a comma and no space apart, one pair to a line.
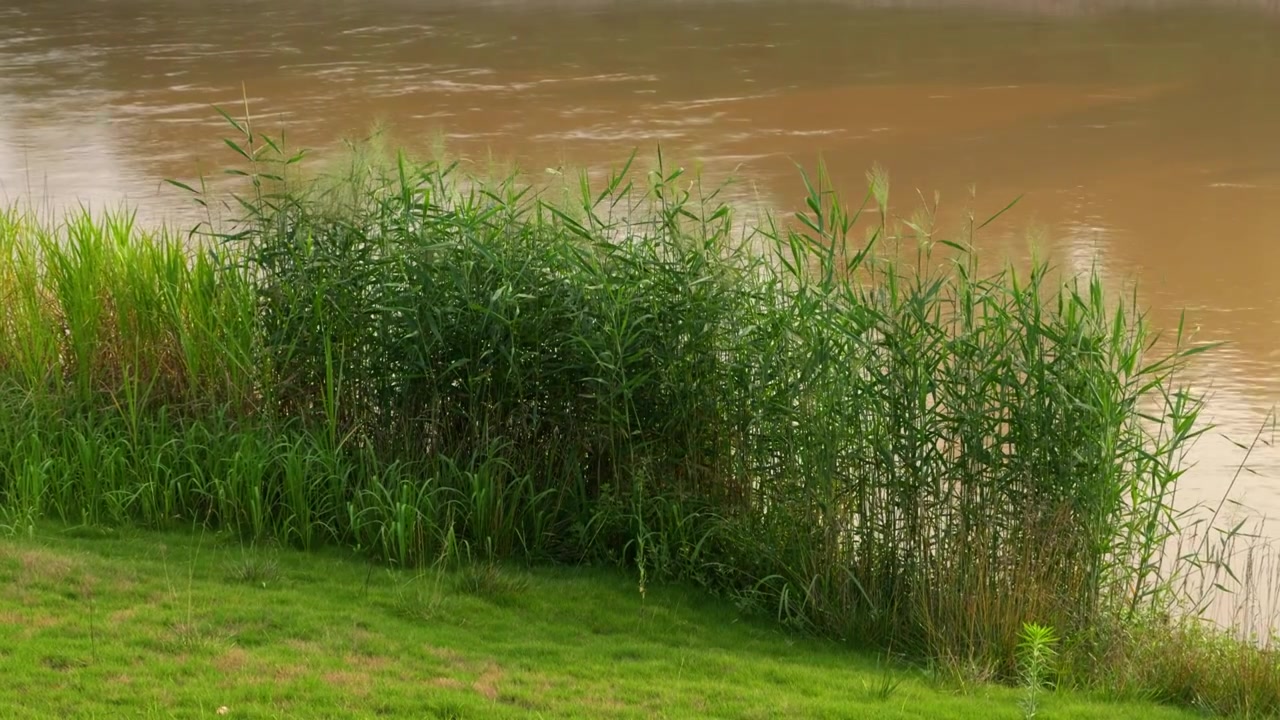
1143,137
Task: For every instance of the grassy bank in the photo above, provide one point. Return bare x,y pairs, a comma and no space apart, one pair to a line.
148,625
883,445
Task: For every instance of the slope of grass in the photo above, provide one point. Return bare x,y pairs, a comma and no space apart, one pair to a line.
125,624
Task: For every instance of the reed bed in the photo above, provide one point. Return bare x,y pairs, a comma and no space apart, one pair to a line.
904,450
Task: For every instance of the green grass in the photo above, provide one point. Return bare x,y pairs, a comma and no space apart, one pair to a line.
124,624
845,423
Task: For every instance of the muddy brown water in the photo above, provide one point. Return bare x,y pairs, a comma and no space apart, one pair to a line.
1143,136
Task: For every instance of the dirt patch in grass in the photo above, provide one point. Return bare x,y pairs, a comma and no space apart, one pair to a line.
120,617
356,682
28,625
286,672
446,682
448,655
125,585
231,660
366,663
304,647
487,683
39,565
489,674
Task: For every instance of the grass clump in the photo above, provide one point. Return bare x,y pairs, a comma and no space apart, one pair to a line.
878,441
416,599
253,569
489,582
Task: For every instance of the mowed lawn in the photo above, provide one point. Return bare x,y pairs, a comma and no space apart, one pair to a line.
99,623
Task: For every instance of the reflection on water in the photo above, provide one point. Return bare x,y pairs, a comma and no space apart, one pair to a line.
1142,134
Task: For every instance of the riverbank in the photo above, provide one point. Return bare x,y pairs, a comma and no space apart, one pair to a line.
879,442
99,622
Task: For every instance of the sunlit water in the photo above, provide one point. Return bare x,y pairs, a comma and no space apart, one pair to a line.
1144,137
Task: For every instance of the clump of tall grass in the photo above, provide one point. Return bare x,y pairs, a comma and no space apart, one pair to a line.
901,450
